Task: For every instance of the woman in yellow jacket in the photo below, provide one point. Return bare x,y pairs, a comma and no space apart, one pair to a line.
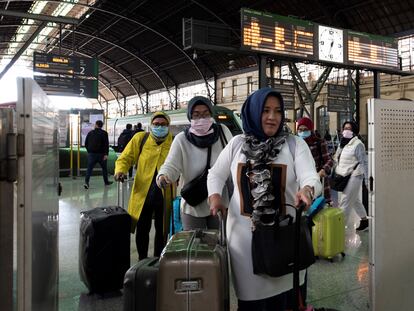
146,198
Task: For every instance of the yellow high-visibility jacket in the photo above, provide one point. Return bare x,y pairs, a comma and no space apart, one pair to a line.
151,158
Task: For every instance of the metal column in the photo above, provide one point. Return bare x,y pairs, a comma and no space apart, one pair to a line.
377,85
262,71
357,99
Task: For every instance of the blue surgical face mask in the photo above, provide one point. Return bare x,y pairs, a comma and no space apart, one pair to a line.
159,131
304,134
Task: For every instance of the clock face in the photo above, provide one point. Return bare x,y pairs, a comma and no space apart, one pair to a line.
331,44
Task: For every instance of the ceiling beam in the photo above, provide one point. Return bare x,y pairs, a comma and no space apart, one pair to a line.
41,17
22,49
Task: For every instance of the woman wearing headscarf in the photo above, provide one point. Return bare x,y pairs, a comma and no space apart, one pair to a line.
148,152
319,150
188,158
351,159
266,175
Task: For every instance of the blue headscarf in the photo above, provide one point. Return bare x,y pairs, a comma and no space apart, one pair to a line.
252,109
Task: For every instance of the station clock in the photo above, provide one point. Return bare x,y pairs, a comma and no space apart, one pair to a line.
331,44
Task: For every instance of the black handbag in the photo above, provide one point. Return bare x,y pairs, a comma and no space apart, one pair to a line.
195,191
273,248
339,182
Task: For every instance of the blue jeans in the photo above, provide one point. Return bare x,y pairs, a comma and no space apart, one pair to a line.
94,158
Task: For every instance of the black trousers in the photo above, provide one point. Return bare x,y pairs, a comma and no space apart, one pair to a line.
153,206
275,303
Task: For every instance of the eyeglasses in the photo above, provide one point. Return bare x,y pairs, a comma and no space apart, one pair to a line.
200,115
160,124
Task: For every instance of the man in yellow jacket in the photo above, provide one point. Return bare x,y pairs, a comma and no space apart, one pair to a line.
148,153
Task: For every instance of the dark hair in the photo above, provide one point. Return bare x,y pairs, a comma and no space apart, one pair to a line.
139,125
99,123
355,127
129,126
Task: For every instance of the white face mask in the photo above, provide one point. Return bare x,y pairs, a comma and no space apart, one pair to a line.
347,133
201,127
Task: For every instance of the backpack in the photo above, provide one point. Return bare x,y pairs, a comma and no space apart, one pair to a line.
123,140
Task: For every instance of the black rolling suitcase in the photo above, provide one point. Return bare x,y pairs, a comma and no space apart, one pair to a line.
104,247
140,285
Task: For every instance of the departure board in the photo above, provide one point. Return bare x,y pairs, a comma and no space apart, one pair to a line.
277,34
60,64
301,40
372,50
68,86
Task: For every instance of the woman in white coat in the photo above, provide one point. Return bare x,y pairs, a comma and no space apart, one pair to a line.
188,158
261,160
351,159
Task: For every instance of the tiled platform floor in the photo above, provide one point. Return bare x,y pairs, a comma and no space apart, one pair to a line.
342,284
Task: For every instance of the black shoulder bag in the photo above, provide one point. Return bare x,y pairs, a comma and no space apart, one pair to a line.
339,182
195,191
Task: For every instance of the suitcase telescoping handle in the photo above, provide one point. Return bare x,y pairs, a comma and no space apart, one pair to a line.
299,211
120,195
222,229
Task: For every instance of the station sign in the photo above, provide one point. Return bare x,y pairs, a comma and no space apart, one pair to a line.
286,88
68,65
336,90
340,104
68,86
302,40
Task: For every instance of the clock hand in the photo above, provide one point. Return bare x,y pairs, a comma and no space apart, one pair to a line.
330,48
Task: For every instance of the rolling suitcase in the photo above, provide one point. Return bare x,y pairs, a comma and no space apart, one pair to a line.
140,285
104,247
328,234
193,273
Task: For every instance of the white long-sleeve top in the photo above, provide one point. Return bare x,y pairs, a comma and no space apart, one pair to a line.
300,171
189,161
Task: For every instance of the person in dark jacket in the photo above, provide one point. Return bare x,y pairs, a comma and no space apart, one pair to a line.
123,141
138,128
125,137
97,145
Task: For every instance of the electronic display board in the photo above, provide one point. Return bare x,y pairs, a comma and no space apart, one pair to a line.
306,41
372,50
59,64
68,86
277,34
